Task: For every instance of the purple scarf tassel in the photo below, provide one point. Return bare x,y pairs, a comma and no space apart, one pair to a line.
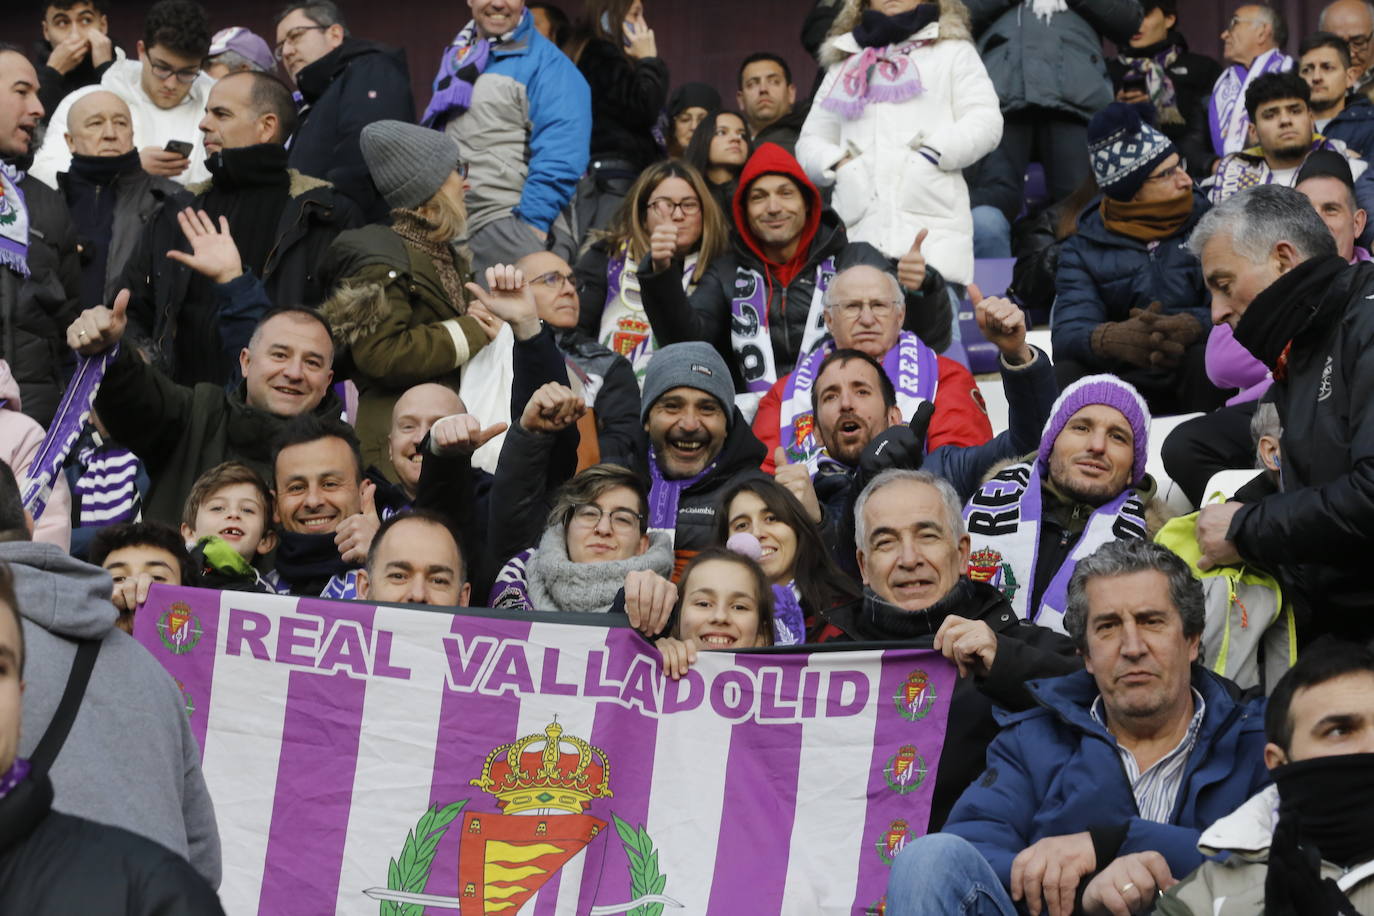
463,62
789,623
65,429
871,76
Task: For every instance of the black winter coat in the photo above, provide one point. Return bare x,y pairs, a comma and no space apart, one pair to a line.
350,87
1193,76
1024,651
315,213
55,863
53,86
35,312
627,96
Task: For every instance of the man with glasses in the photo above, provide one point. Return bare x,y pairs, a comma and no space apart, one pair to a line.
164,89
1353,20
1130,299
345,84
1254,40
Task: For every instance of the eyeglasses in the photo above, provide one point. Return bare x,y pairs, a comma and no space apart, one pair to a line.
664,207
588,515
461,168
1180,169
1359,42
1236,20
162,71
881,308
294,36
553,280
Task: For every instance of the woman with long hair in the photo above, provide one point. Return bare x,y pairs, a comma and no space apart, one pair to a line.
805,579
669,199
718,150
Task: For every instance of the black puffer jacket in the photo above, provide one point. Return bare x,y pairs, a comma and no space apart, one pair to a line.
615,391
1024,651
350,87
35,312
55,863
627,96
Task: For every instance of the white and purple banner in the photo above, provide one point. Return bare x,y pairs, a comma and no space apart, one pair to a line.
407,761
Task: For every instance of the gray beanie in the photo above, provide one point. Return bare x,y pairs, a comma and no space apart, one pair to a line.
693,364
408,163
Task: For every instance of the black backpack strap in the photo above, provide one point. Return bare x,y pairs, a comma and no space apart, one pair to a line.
56,735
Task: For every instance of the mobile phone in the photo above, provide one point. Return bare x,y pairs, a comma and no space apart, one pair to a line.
180,147
1133,82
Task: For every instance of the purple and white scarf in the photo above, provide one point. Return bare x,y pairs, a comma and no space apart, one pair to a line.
107,490
664,495
1226,114
14,221
1159,86
462,63
18,771
1003,520
749,331
65,429
511,590
885,74
913,367
625,327
789,621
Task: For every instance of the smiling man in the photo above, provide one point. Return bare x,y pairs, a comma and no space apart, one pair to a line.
415,559
1277,279
1086,485
1116,771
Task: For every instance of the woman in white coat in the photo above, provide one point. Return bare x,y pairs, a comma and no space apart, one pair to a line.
905,106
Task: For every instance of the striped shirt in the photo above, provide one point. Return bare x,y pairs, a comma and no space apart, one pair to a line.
1156,790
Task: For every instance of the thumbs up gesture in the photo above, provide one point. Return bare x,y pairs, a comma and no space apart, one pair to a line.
911,267
97,329
797,479
354,535
1002,323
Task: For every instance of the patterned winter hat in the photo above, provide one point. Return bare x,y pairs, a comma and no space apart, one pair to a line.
1124,150
1112,392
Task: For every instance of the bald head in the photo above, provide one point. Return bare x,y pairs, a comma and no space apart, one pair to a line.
415,412
99,124
1352,20
557,300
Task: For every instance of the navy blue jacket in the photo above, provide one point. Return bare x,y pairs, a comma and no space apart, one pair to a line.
1055,771
1354,126
1103,275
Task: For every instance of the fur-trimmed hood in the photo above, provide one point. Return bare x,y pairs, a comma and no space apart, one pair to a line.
953,24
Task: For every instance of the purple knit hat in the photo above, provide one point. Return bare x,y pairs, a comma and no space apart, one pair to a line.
1100,389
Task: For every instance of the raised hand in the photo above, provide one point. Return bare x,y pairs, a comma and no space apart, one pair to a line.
797,479
461,434
1003,323
67,53
97,329
552,409
641,41
911,267
509,298
354,535
663,244
213,252
102,47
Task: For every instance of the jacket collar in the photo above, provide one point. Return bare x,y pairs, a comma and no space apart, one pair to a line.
1092,226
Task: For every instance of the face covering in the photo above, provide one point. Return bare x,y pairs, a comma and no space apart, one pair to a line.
1330,799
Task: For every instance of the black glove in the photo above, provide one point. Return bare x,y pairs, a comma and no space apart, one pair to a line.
898,446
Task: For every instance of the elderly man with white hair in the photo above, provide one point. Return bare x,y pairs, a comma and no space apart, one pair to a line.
1297,305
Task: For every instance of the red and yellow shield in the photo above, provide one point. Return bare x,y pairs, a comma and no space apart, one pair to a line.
504,859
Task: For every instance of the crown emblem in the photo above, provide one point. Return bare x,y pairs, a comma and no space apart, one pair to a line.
547,774
985,557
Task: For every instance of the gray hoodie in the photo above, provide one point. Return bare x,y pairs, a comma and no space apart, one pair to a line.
130,759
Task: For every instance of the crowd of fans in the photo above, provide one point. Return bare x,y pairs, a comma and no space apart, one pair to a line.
576,337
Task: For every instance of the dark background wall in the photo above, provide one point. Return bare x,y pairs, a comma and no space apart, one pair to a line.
700,39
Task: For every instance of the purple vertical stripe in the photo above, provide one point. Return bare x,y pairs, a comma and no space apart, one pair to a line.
319,754
761,784
629,739
194,669
891,731
471,726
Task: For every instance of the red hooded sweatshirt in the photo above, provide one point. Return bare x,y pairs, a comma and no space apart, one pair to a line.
771,159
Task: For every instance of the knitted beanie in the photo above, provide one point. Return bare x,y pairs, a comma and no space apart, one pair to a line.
1124,150
1112,392
693,364
408,163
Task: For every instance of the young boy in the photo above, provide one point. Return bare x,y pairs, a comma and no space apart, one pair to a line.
136,555
226,526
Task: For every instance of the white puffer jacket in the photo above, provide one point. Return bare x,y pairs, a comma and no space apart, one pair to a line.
889,191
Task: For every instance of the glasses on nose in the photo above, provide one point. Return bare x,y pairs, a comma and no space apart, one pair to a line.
1235,21
881,308
588,515
462,169
664,207
294,36
1180,169
162,71
1359,42
554,280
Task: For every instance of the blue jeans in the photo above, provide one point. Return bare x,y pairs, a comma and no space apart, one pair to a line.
991,233
944,875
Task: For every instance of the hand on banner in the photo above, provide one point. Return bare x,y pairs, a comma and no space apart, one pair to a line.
970,644
97,329
1212,524
354,535
213,252
1003,324
797,479
649,600
552,409
1128,885
911,267
461,434
663,245
1046,875
510,299
131,591
678,655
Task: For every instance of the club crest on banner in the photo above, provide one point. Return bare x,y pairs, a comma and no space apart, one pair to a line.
544,785
915,696
905,771
893,841
987,565
179,628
